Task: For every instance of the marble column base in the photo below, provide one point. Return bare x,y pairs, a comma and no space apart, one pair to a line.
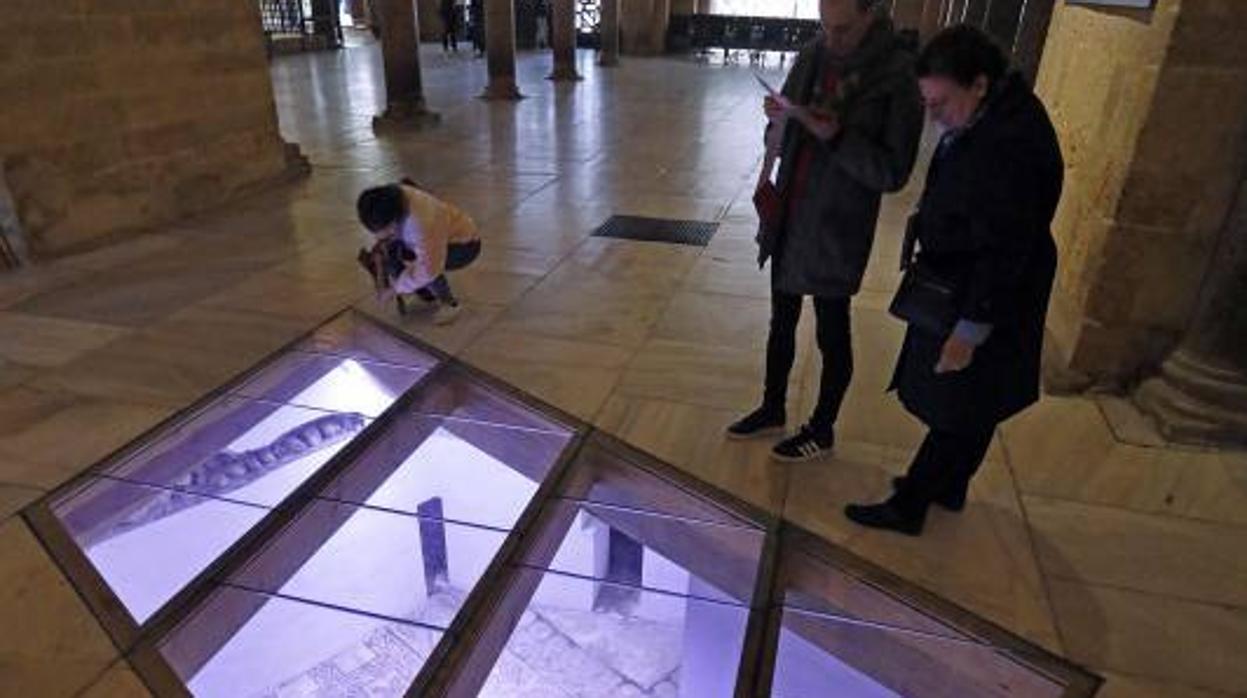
1196,403
502,89
406,115
565,74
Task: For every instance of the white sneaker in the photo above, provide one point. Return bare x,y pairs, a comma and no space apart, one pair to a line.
446,313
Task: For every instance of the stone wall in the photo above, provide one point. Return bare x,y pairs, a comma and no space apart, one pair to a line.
1150,106
117,116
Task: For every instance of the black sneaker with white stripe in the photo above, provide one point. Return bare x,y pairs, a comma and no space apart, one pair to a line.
804,446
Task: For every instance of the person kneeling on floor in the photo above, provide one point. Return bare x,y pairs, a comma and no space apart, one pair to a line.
419,238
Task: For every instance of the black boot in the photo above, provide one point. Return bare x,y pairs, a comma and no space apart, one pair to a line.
884,516
955,501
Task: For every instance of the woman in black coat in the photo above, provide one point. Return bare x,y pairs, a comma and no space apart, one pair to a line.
983,229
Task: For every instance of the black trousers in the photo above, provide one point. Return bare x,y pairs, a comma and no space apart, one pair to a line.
835,343
458,256
943,467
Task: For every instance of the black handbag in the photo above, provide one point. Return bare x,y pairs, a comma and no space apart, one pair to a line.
924,299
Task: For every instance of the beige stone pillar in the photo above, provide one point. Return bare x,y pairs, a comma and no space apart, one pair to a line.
400,51
1154,144
500,50
563,19
609,54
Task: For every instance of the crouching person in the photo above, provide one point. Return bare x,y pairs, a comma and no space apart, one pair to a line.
418,239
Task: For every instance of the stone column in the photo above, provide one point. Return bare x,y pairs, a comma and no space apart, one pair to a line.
1003,17
563,39
1032,33
500,50
404,89
907,14
931,22
609,55
1200,395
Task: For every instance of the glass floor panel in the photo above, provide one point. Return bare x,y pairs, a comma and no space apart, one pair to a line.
481,473
581,638
154,541
417,569
656,552
241,449
627,577
820,655
332,383
241,643
358,338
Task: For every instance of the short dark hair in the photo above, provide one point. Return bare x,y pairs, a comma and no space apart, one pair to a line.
961,54
380,206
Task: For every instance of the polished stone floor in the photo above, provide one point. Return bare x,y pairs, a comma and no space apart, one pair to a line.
1086,532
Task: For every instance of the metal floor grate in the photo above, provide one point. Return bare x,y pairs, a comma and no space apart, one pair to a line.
671,231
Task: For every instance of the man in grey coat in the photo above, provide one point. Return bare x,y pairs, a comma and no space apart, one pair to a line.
846,127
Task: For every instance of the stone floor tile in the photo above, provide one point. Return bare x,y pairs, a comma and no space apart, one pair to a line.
452,338
119,681
574,376
720,320
1160,638
691,437
47,437
585,310
658,267
1122,686
48,341
483,286
291,296
1154,553
60,649
700,374
123,252
716,274
14,498
1087,464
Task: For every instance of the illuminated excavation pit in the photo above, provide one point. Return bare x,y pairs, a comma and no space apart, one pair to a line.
360,515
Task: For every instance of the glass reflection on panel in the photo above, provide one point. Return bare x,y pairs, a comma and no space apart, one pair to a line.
405,567
655,551
245,644
244,450
152,541
456,393
483,474
573,639
334,383
603,475
820,587
822,655
351,335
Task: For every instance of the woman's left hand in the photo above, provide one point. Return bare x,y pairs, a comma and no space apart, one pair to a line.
956,355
